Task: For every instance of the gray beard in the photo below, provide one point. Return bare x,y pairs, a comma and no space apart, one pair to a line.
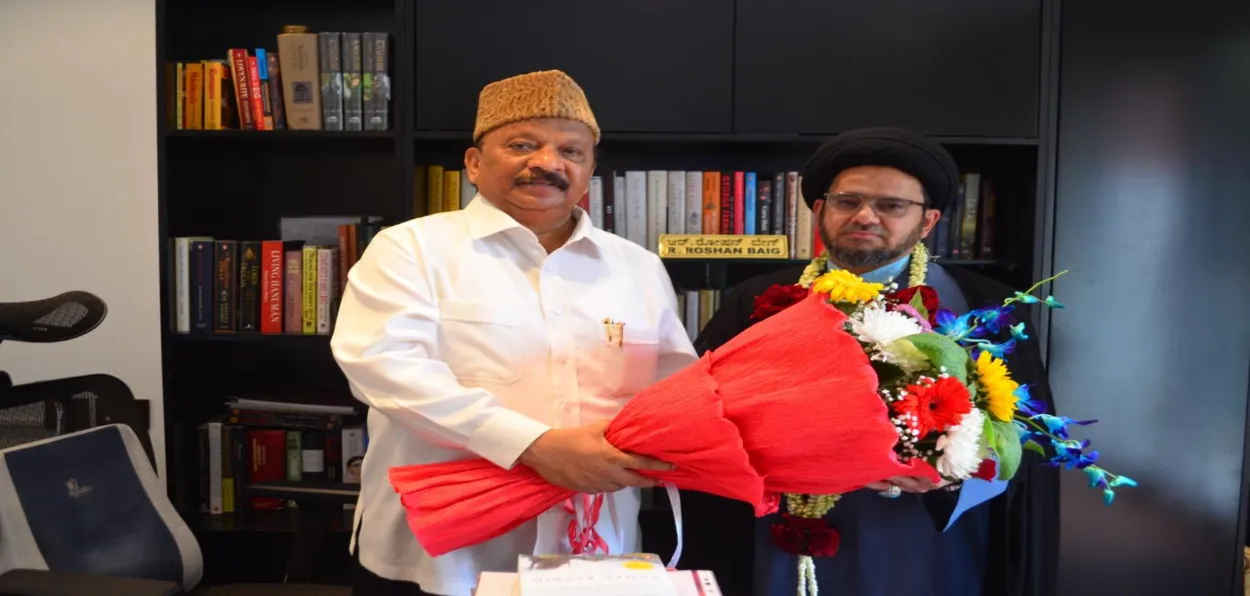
856,258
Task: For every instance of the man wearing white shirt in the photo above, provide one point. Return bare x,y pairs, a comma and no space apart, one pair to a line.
485,332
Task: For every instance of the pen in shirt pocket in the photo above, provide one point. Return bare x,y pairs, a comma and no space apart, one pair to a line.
614,331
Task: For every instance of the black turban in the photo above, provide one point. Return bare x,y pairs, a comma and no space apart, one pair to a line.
901,149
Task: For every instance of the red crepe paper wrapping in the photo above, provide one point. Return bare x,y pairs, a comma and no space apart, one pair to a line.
805,398
790,405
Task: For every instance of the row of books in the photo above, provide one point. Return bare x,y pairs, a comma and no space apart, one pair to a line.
641,205
290,285
314,81
266,441
696,308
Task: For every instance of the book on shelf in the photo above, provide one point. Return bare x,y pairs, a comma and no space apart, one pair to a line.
253,441
966,230
312,81
289,285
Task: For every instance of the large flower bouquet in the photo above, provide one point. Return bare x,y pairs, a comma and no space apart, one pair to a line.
950,394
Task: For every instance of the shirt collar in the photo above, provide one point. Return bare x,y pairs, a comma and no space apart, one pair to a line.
883,275
485,219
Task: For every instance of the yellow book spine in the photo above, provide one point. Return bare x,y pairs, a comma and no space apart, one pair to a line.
180,79
434,192
214,74
309,294
451,190
194,108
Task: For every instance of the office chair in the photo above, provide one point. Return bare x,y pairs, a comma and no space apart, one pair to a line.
81,508
50,408
59,318
85,514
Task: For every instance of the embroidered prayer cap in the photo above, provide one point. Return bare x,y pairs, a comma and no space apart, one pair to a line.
897,148
542,94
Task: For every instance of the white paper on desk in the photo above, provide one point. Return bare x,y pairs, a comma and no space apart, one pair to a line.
605,577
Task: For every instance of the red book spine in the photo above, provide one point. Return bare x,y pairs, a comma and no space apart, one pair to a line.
271,280
268,454
739,202
258,102
242,90
726,204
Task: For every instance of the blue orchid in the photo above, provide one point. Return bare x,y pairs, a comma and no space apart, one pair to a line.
1025,402
957,328
1026,298
999,351
991,318
1107,486
1051,302
1097,477
1122,481
1058,425
1018,333
1071,455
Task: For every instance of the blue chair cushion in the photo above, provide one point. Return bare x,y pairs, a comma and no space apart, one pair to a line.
88,510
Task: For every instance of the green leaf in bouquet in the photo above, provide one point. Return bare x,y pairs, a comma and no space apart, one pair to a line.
943,352
918,303
907,357
847,308
988,438
1007,447
887,373
1035,448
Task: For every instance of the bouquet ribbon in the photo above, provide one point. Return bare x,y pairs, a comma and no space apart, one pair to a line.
584,540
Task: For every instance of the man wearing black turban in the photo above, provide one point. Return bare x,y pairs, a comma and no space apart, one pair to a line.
876,193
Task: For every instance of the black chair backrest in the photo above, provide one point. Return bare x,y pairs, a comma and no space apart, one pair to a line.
33,411
59,318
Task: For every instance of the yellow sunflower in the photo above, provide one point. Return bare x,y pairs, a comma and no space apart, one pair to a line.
997,386
844,286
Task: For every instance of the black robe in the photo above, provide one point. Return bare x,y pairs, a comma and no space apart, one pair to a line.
719,534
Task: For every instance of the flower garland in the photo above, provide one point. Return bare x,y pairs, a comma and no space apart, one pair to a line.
803,530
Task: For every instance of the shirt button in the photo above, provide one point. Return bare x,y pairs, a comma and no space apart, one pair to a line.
562,360
557,311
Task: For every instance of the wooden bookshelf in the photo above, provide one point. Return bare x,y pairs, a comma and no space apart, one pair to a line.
701,92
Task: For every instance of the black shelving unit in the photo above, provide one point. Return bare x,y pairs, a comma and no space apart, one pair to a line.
688,99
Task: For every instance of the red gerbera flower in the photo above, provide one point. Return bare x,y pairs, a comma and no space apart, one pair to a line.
934,405
776,299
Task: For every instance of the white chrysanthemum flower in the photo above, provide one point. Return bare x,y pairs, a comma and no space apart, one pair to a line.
879,327
960,447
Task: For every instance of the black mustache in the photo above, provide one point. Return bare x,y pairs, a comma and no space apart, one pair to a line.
546,178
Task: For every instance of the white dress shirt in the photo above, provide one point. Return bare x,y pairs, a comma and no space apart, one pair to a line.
466,339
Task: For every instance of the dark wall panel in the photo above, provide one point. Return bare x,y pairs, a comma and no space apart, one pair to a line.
1152,212
646,65
955,67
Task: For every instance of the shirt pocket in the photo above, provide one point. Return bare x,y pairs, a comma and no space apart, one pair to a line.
631,366
480,342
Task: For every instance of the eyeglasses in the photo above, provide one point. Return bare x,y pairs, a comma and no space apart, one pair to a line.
850,203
